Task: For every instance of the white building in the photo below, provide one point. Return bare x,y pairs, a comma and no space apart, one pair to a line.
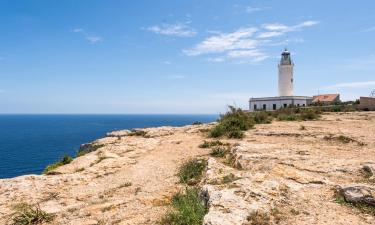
285,98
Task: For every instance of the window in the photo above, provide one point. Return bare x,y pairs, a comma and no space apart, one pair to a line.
255,107
264,106
303,105
298,105
285,105
274,106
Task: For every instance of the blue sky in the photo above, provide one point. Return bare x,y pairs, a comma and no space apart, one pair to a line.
167,56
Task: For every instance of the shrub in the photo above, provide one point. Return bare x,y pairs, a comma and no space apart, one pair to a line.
310,114
191,171
261,117
233,123
287,117
219,151
209,144
27,215
65,160
197,123
187,209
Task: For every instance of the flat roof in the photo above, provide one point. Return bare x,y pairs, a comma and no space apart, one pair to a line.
281,98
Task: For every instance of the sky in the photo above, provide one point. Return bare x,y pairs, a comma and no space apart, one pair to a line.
178,57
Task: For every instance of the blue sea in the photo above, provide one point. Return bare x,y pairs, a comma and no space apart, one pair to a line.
28,143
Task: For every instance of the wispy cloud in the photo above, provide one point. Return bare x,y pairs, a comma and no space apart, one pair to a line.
244,43
93,39
175,30
252,9
369,29
166,62
2,91
278,29
175,77
363,84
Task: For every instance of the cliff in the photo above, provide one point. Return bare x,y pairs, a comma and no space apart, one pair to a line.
279,173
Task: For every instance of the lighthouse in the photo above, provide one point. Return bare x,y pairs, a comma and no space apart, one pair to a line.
286,74
286,97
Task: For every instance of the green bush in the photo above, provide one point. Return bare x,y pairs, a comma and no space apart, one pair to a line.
209,144
309,114
232,124
191,171
65,160
27,215
261,117
287,117
188,209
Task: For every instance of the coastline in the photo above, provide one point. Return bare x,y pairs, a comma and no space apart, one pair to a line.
134,174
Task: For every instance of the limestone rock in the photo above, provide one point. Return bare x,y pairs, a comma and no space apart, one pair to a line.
358,194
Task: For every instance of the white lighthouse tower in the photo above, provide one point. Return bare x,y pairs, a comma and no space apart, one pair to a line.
286,74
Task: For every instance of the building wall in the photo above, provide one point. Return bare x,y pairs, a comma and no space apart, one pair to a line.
285,80
367,103
279,104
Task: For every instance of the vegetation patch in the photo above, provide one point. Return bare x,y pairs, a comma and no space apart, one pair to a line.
65,160
302,127
26,214
197,123
140,133
364,208
232,124
191,172
259,218
87,148
187,209
219,151
342,139
210,144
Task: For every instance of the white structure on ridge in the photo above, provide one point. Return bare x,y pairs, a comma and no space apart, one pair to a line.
286,75
286,97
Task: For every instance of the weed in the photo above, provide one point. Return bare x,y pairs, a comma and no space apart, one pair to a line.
191,171
364,208
302,127
187,209
126,184
26,214
209,144
63,161
219,151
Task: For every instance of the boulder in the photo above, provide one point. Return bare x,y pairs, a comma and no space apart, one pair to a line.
358,194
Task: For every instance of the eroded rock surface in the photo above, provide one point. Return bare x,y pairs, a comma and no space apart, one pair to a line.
277,174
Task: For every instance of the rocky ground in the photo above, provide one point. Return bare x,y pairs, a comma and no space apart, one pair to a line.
284,173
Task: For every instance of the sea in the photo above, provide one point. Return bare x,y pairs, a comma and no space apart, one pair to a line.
28,143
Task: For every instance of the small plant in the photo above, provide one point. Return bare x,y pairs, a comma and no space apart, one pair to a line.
65,160
29,215
302,127
191,171
219,151
209,144
197,123
126,184
364,208
309,114
187,209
